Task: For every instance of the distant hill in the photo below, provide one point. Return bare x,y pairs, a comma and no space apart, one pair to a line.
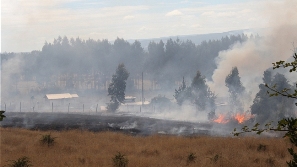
196,38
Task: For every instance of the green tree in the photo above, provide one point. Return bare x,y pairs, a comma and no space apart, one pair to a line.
198,93
201,95
272,108
117,87
236,90
182,93
287,125
2,115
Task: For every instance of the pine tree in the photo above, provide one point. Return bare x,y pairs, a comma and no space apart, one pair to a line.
182,93
236,90
201,95
117,87
267,107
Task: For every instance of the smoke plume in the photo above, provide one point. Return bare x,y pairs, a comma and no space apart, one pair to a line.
255,55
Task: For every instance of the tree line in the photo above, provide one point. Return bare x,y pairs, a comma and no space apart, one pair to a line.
164,63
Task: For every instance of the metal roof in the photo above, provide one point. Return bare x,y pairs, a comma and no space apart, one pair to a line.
60,96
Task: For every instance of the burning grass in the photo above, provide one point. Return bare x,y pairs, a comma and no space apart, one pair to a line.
84,148
238,117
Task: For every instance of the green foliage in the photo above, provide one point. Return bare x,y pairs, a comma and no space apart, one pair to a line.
119,160
292,65
117,87
293,162
269,105
21,162
47,139
201,94
191,158
2,115
182,93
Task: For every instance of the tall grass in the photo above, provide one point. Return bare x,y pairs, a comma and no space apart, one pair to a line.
83,148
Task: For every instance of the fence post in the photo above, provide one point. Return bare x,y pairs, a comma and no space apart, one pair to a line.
68,107
96,108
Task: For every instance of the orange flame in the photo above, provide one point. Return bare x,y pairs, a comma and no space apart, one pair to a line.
221,119
239,117
242,117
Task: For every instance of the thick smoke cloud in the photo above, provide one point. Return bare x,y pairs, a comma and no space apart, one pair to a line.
256,55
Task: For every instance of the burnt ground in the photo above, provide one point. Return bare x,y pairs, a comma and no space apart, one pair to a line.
105,122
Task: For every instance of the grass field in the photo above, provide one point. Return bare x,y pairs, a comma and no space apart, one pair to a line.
82,148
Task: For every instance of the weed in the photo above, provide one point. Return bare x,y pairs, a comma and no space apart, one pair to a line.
21,162
47,139
215,158
82,160
119,160
270,161
261,147
191,158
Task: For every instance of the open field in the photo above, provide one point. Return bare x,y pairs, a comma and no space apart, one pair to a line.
85,148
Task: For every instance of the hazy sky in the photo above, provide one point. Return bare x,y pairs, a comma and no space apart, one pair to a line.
27,24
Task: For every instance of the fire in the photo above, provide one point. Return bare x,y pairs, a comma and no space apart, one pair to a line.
239,117
221,119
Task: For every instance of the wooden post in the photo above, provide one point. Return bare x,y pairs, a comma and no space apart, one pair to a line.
96,108
68,107
142,88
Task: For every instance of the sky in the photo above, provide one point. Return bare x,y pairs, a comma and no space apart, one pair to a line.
27,24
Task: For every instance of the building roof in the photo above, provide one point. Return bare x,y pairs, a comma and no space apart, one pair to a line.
60,96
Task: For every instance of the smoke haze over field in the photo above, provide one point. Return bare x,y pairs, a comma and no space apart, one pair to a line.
254,56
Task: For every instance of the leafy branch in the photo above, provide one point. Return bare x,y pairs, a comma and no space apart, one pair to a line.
284,64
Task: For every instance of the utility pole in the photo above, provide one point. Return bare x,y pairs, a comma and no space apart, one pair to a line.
142,88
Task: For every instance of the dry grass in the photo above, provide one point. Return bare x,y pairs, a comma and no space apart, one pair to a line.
83,148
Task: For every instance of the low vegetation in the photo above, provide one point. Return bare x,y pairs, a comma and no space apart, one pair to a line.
83,148
20,162
47,140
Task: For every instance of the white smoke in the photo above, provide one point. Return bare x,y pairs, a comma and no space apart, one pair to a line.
11,67
254,56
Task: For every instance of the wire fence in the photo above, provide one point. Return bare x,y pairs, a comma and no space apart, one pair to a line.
70,107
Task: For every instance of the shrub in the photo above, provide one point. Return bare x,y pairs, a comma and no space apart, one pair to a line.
191,158
119,160
261,147
21,162
47,139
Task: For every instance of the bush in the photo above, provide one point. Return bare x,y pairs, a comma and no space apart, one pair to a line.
21,162
191,158
47,139
161,103
119,160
